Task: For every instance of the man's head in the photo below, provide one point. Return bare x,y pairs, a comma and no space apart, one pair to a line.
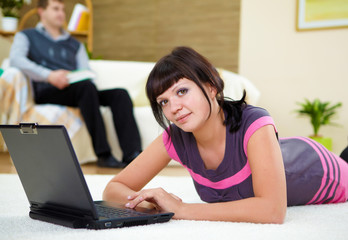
52,13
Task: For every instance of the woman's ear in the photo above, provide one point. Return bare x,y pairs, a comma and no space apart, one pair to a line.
212,91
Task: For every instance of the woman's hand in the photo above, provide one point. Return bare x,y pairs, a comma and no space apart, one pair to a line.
161,199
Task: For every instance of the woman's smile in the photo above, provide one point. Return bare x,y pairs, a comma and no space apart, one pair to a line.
183,118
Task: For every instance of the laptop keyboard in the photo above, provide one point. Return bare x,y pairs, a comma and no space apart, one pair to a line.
107,212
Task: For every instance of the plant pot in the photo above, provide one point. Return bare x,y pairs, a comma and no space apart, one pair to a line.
325,141
9,24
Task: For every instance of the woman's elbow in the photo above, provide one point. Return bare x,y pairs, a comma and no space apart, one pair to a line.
277,215
107,193
278,219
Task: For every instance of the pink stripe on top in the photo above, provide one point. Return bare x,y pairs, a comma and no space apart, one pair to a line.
341,194
263,121
323,163
342,188
322,191
225,183
332,178
170,147
237,178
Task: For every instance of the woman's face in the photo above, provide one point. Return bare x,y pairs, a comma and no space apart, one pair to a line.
185,105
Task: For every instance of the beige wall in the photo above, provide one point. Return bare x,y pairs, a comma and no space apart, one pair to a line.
5,45
288,66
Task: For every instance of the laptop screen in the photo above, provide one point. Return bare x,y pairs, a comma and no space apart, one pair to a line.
48,168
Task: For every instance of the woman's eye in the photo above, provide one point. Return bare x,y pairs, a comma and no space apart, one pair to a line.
163,103
182,91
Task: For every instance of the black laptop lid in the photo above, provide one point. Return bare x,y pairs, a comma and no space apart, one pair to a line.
48,168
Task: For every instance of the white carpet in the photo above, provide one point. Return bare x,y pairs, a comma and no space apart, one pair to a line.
305,222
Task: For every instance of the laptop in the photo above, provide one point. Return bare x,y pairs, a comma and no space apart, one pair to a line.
55,185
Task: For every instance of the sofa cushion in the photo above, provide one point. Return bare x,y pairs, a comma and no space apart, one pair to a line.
133,76
129,75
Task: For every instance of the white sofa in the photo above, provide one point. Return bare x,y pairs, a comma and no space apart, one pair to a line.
132,76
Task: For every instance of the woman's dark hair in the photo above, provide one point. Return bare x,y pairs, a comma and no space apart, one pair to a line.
184,62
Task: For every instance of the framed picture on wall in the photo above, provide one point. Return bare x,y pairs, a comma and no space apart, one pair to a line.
321,14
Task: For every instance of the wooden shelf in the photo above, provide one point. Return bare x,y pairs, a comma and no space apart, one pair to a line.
79,33
87,34
6,33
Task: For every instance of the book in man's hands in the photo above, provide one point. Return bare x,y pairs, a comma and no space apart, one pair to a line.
80,75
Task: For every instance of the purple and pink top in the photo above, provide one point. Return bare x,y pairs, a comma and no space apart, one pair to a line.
314,175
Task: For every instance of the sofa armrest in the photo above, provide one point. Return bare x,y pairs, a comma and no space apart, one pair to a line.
235,84
17,105
15,96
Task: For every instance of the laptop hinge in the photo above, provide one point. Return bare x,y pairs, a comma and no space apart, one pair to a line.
60,211
28,128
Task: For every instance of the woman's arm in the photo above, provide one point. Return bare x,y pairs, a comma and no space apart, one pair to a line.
268,176
137,174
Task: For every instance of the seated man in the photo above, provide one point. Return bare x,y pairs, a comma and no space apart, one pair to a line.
46,54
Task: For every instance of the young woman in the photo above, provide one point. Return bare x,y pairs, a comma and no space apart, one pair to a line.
230,148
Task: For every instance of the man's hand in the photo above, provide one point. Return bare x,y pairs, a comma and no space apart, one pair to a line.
58,78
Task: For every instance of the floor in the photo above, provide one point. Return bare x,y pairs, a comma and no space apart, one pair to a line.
6,166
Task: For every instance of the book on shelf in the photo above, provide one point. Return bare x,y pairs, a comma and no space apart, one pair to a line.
81,75
82,24
79,18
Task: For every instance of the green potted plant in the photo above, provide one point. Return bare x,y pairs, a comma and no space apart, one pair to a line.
10,10
320,114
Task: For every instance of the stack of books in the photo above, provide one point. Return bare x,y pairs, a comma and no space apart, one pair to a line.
79,18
